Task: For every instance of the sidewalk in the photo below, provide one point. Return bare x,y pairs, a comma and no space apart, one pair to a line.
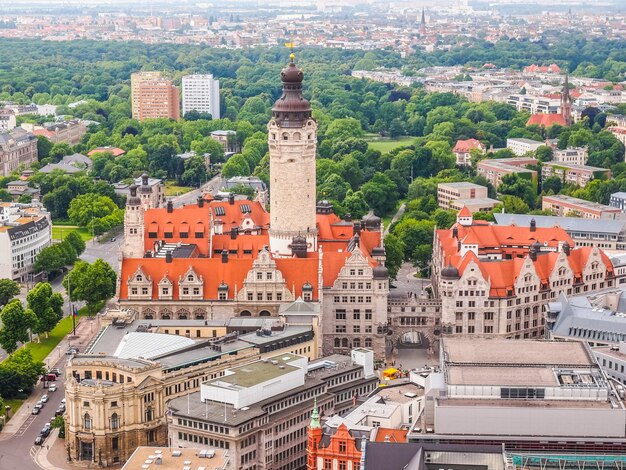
85,329
54,455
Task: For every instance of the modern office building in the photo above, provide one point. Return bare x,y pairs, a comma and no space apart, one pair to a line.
521,146
562,206
201,93
524,395
260,411
612,360
25,229
578,175
495,169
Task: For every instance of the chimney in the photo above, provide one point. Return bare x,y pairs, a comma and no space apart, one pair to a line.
170,207
533,225
347,217
144,179
224,256
168,256
231,198
532,253
233,233
455,232
200,201
566,249
357,228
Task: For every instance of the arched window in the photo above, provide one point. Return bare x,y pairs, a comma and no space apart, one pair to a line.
368,342
190,278
337,343
199,316
115,421
285,136
148,317
356,343
149,414
245,313
87,422
344,343
165,316
297,136
265,313
139,277
182,316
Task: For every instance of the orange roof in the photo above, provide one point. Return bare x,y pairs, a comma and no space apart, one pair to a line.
464,212
246,246
467,145
546,120
189,220
113,150
233,215
44,132
391,435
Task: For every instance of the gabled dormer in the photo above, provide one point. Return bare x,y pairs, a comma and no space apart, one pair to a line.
139,285
190,285
166,289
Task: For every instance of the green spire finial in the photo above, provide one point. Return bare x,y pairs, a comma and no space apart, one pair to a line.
315,416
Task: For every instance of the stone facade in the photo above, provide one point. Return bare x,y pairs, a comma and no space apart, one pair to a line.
17,148
292,170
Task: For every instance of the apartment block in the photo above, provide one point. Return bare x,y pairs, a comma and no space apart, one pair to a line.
563,206
464,194
521,147
495,169
535,104
7,120
618,200
201,93
158,99
571,155
578,175
135,80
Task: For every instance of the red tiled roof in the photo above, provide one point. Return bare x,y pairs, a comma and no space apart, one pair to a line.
191,217
467,145
391,435
113,150
546,120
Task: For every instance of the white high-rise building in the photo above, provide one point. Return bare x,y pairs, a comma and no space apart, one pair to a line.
201,93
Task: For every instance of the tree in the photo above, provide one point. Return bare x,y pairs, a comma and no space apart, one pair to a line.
43,147
92,283
208,145
413,233
380,193
15,325
90,206
236,166
59,423
47,307
19,374
552,184
355,204
342,129
8,289
74,239
544,153
515,185
422,256
195,173
394,251
59,150
55,258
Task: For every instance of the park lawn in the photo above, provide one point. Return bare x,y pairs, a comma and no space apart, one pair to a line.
386,145
59,232
171,189
14,403
39,351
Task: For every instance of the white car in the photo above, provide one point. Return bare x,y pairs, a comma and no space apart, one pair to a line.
63,402
52,388
44,398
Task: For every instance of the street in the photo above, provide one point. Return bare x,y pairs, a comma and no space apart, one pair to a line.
18,451
212,186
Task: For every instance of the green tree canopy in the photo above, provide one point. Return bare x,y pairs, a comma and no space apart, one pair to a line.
16,323
8,289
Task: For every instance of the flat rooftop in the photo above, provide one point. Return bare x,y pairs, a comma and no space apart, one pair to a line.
519,352
520,403
461,185
249,375
523,376
177,459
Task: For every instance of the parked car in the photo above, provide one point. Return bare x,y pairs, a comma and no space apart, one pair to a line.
60,410
35,410
71,350
39,440
113,239
56,372
63,402
39,404
52,388
45,432
44,398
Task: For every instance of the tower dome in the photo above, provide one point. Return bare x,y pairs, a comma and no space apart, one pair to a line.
450,272
145,187
380,272
299,246
291,109
372,221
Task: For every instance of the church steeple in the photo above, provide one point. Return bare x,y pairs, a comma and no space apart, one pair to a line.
314,439
291,109
315,417
566,102
423,23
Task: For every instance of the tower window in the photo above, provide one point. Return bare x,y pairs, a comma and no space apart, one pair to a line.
285,136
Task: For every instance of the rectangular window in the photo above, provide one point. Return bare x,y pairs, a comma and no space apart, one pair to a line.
340,315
